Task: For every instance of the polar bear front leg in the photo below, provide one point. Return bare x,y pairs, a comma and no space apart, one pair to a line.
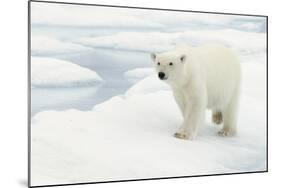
194,118
179,98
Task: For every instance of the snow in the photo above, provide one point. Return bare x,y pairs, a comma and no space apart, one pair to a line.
50,72
87,16
62,98
242,41
149,84
131,136
110,17
137,74
43,45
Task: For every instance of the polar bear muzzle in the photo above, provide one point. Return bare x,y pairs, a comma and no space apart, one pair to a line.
161,75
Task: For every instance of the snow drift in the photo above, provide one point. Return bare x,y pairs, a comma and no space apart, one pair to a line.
43,45
50,72
149,84
137,74
90,16
87,16
131,136
243,42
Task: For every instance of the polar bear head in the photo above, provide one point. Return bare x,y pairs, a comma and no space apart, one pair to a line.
168,65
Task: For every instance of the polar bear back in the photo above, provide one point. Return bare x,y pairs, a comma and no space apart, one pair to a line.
218,68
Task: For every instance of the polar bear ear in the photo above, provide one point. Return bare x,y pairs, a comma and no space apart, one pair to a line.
183,58
153,56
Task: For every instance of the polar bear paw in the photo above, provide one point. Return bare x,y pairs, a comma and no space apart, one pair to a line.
226,132
184,135
217,117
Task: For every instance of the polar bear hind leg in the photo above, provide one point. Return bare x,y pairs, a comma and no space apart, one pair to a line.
217,117
230,116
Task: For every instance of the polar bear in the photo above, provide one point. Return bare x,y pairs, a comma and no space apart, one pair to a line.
204,77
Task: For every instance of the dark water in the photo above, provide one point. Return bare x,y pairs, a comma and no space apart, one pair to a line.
109,64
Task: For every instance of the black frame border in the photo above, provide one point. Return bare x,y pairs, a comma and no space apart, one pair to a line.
130,7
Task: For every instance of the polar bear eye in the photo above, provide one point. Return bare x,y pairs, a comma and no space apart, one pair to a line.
170,63
158,63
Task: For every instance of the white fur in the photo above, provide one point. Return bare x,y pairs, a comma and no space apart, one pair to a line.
202,77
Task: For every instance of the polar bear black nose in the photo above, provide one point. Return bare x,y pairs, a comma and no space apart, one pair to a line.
161,75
